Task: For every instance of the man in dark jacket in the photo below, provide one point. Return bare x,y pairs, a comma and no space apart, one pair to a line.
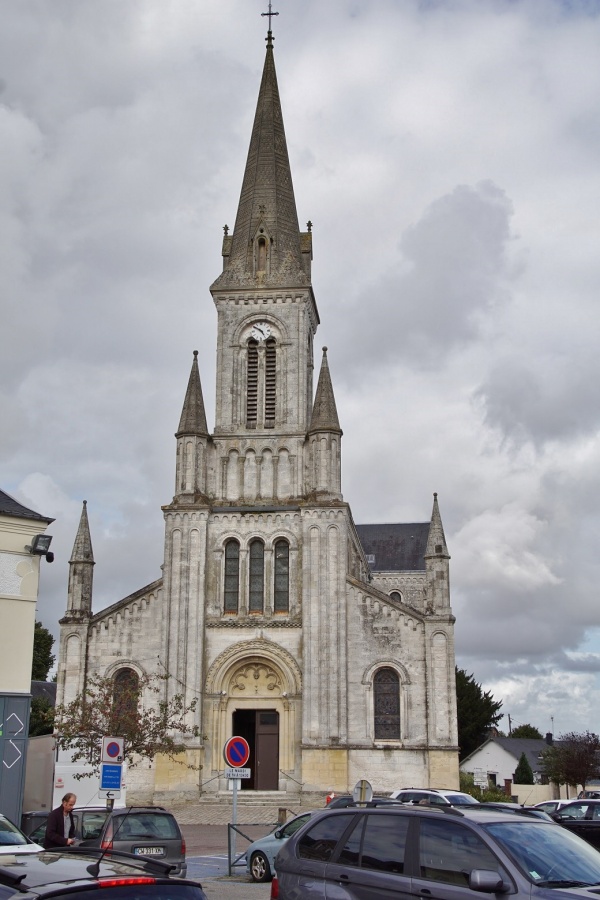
60,827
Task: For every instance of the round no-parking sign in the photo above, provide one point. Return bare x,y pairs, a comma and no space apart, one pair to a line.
236,752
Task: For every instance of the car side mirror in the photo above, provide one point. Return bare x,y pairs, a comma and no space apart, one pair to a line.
486,881
278,834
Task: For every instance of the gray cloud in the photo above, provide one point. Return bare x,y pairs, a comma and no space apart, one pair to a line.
447,155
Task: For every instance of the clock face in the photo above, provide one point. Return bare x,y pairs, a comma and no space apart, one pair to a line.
261,331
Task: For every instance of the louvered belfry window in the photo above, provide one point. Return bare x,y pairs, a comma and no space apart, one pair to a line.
232,576
252,387
386,701
270,382
257,577
281,599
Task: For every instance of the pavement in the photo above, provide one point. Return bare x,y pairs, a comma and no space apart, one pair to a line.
205,827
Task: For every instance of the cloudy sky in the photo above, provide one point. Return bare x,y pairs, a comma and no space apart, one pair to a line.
447,154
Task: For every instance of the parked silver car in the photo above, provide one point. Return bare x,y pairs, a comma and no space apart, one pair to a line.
261,854
444,853
13,841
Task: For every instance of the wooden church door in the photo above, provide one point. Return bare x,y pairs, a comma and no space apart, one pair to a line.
260,727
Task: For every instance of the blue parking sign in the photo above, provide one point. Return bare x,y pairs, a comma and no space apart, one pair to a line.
110,777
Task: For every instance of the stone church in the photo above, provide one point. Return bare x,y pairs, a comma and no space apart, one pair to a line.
328,645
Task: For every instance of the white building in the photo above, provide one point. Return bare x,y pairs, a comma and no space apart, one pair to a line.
20,558
329,646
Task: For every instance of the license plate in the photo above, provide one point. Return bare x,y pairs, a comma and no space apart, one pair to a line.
149,851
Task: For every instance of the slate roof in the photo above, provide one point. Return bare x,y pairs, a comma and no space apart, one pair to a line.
395,548
11,507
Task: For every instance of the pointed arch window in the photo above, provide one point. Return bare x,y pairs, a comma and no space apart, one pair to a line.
126,696
386,705
256,599
281,593
231,590
261,261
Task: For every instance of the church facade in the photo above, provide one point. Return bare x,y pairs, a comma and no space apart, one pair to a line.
329,646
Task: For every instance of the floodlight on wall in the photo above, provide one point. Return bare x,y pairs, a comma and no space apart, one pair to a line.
40,546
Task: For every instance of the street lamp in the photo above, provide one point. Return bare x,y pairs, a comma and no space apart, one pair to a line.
40,546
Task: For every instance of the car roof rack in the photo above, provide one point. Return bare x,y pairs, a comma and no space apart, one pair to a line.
8,877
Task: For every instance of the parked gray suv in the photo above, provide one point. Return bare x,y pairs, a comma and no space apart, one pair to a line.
442,853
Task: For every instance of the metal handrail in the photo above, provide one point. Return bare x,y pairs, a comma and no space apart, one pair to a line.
231,828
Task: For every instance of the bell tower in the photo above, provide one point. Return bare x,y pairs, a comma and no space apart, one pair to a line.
267,314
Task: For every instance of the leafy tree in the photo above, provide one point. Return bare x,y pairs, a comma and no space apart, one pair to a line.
41,717
131,707
523,772
477,712
526,731
43,658
490,794
574,759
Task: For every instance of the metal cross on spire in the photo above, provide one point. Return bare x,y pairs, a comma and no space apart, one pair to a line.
270,14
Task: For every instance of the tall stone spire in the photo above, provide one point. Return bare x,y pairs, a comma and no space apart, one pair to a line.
193,415
437,568
82,548
81,572
265,247
436,540
324,414
324,479
192,440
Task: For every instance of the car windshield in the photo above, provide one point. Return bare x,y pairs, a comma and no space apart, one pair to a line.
293,826
10,834
548,856
460,799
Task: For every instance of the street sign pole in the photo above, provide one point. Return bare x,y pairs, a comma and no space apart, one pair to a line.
111,769
236,753
236,782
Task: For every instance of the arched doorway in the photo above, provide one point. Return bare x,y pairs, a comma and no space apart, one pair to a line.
256,689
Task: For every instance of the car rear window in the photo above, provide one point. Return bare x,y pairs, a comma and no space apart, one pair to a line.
320,841
145,825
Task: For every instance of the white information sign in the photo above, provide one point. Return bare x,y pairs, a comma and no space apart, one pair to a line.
238,773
